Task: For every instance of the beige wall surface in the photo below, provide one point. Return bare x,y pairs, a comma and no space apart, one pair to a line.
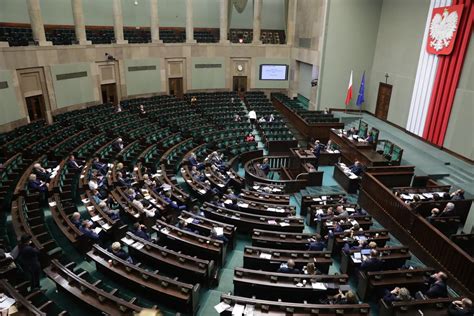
10,108
401,28
461,122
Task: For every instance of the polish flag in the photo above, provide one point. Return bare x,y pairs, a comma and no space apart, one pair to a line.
349,91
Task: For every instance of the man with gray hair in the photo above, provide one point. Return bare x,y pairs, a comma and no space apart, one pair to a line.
448,210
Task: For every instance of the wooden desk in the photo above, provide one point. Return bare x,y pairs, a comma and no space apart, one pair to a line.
348,184
337,241
253,258
393,257
273,308
292,287
306,155
352,150
281,240
429,307
372,284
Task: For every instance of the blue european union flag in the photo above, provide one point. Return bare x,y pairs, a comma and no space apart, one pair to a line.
360,97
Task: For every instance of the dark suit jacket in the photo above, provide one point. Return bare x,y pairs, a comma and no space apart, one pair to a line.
72,164
265,168
371,264
288,270
140,233
437,289
36,186
356,170
453,310
317,246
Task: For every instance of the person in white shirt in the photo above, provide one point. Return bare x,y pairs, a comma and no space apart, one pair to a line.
252,116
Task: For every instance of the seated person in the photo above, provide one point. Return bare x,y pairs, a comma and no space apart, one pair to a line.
434,214
310,269
76,219
99,166
249,137
123,182
237,118
348,298
317,243
197,174
97,197
437,285
149,212
142,110
461,308
262,119
117,250
373,263
197,211
457,195
131,194
370,138
41,173
356,168
167,198
216,234
355,245
288,267
35,185
194,163
113,214
139,230
340,211
397,295
86,229
73,164
118,145
271,118
352,131
448,210
265,166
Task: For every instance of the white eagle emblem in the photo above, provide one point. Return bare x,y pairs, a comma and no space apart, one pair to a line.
442,29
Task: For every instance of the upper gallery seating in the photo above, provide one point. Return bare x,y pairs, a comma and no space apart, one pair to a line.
16,36
266,36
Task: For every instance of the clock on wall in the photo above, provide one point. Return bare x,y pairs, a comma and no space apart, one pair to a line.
240,68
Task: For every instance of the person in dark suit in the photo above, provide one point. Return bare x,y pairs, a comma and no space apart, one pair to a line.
41,173
139,231
76,219
317,152
99,166
193,162
173,204
122,182
397,295
86,229
35,185
317,243
449,210
437,285
352,131
117,250
373,263
289,267
356,168
434,214
72,163
461,308
265,166
118,145
457,195
29,258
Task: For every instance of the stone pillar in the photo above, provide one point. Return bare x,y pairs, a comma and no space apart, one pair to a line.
224,21
36,21
4,44
118,22
155,26
291,22
79,24
257,19
189,22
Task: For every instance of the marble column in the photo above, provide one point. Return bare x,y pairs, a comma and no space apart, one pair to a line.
118,22
36,21
79,24
224,21
4,44
189,22
291,22
257,21
155,26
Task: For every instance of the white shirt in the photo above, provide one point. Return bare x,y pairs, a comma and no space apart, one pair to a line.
252,115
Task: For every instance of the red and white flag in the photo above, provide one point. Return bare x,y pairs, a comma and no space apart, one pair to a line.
349,91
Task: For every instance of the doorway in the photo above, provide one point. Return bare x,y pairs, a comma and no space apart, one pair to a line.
176,87
109,93
36,108
383,100
239,83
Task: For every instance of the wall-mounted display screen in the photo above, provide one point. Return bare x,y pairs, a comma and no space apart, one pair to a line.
273,72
